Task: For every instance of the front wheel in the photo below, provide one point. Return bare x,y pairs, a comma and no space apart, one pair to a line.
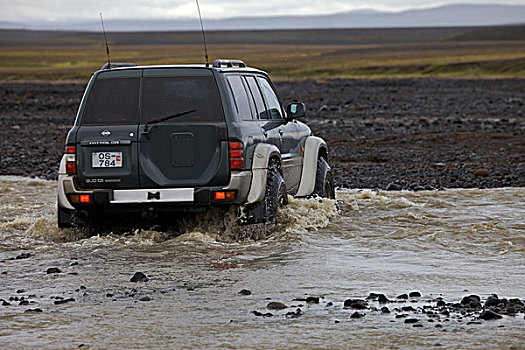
324,182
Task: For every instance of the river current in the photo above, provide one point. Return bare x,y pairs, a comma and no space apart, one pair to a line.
444,244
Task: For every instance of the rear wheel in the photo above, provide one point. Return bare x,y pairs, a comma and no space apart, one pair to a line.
324,182
266,210
275,196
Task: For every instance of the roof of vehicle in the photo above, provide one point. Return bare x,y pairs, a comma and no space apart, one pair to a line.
216,66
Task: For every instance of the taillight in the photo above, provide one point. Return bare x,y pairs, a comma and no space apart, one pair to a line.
81,198
224,196
236,155
71,163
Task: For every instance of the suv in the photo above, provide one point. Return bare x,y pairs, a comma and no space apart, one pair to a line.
182,138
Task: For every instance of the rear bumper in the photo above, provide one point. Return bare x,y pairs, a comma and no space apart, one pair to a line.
173,199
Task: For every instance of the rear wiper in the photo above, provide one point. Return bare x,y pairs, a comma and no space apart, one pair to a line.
146,126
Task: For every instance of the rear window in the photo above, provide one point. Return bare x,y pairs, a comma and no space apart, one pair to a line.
163,97
113,101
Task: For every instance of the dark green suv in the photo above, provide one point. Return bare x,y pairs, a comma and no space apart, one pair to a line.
182,138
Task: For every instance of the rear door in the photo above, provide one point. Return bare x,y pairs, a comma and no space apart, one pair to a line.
107,136
183,140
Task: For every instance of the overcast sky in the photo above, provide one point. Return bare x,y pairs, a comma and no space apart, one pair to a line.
66,10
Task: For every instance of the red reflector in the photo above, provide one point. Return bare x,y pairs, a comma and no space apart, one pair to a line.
71,168
237,163
219,196
85,198
70,149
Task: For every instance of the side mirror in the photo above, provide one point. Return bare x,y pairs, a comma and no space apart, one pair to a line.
295,111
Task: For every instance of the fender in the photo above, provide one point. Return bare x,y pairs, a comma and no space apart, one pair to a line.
61,195
261,158
311,153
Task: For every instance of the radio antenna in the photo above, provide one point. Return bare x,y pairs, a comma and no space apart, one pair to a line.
105,38
203,35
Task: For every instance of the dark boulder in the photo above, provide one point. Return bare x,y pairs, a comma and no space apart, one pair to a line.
139,277
490,315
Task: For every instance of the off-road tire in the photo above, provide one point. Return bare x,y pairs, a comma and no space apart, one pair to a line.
324,182
275,195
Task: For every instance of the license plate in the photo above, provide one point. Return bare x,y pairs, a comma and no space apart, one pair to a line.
107,160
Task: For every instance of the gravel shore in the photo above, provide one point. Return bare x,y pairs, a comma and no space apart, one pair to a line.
388,133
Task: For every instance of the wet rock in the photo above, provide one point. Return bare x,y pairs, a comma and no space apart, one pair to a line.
408,308
23,256
257,313
411,320
63,301
402,296
372,296
418,325
492,301
20,291
36,310
414,294
357,315
382,299
441,303
145,298
385,310
109,295
473,322
401,316
53,270
244,292
470,298
490,315
74,263
356,304
139,277
24,302
481,172
276,305
5,303
328,304
294,314
312,300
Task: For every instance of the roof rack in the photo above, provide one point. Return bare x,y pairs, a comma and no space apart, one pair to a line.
228,63
117,65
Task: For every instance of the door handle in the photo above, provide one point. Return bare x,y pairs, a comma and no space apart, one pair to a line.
281,131
265,134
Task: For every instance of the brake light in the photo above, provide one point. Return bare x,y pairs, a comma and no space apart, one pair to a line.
71,161
236,155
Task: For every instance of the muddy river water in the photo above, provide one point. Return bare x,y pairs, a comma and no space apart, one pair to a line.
444,244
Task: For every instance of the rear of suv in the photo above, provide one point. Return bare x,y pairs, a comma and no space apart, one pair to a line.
164,139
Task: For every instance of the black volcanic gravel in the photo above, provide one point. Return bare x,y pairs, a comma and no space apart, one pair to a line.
387,133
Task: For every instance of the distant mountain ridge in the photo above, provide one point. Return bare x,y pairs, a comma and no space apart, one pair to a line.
443,16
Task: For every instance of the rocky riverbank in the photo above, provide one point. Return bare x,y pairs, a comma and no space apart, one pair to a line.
388,133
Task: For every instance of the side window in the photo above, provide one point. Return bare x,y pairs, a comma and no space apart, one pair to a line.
256,94
272,102
240,97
